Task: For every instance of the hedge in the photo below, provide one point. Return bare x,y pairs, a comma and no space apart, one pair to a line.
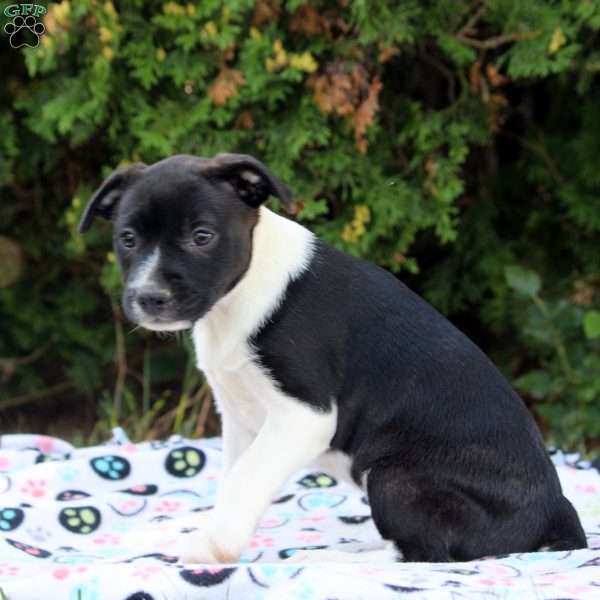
454,142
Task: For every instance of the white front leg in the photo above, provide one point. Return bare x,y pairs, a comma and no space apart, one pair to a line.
292,436
236,440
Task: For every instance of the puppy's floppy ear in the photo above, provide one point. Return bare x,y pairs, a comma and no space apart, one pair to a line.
106,197
250,178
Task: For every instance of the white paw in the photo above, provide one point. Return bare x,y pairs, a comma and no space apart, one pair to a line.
166,536
195,548
205,547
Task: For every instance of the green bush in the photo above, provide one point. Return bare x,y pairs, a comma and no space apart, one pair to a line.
454,142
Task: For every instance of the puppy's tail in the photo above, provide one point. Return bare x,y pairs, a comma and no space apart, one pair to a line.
566,532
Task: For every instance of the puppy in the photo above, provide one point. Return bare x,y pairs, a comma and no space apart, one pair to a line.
310,350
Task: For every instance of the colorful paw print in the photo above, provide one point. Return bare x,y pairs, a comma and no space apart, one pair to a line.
261,541
68,472
313,519
206,577
74,559
185,462
354,519
146,572
107,539
10,518
81,519
287,552
306,592
272,522
129,507
168,506
31,550
69,495
8,570
316,500
141,490
317,480
35,488
160,518
86,590
111,467
283,499
309,537
64,572
39,534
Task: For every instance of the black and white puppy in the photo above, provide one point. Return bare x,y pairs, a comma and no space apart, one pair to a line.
308,351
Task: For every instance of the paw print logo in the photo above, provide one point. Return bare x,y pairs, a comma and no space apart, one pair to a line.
24,31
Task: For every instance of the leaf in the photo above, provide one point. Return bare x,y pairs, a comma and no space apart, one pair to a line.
537,384
265,12
557,41
365,115
344,89
591,324
225,86
304,62
11,261
524,281
341,88
308,21
245,120
313,209
495,77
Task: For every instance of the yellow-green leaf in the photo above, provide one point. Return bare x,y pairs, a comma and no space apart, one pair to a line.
557,41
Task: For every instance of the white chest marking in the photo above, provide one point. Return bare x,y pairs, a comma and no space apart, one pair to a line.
281,251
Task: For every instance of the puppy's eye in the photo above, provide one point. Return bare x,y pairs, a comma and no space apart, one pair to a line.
127,238
201,237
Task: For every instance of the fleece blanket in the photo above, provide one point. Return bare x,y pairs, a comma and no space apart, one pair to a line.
66,516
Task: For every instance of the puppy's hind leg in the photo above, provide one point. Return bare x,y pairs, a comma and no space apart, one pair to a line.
566,532
408,511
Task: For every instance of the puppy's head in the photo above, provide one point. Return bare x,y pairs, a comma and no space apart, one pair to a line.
182,232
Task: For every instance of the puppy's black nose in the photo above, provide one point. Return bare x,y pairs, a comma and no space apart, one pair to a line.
153,300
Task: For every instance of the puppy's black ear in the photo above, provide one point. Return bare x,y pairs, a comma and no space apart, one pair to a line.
250,178
106,197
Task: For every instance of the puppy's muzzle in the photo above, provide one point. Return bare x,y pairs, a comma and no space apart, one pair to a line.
152,301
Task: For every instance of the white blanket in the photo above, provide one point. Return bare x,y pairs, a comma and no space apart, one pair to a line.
66,516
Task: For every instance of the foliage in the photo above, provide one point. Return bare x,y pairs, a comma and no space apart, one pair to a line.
562,336
445,140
